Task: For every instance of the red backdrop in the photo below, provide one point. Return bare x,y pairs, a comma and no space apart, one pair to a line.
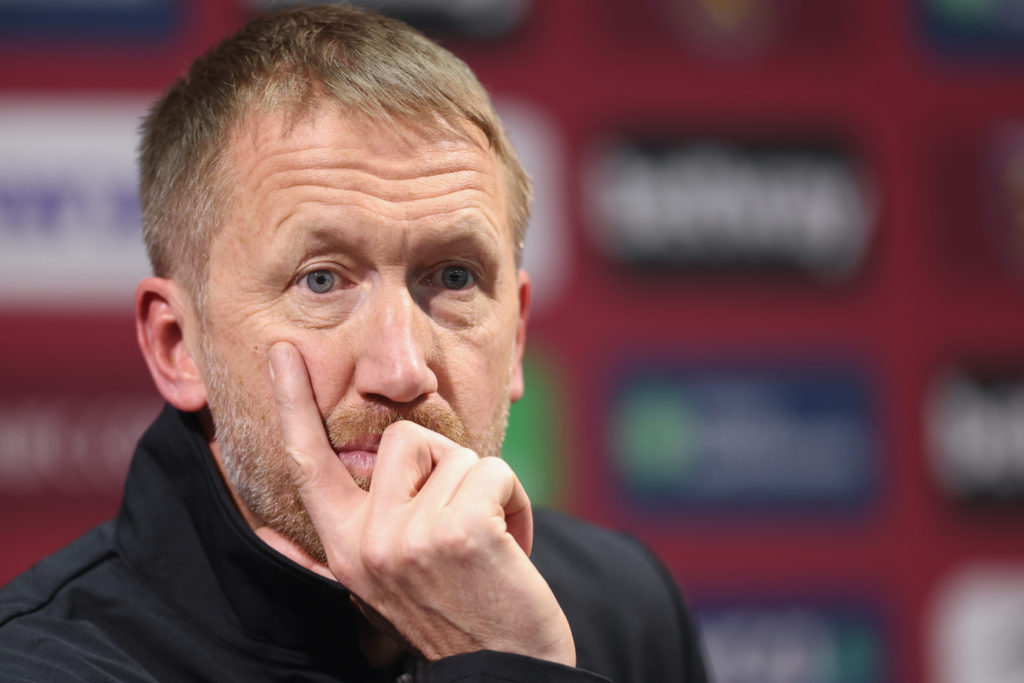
924,113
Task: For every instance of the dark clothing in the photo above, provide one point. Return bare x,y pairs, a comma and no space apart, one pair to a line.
179,588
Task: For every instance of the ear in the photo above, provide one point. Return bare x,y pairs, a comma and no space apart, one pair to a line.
162,315
516,384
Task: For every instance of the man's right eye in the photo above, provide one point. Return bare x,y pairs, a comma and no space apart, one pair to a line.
320,281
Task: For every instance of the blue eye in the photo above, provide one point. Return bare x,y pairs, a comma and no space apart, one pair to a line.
320,281
456,277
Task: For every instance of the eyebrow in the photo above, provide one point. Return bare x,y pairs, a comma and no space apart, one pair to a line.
467,231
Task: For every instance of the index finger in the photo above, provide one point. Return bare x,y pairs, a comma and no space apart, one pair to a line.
323,481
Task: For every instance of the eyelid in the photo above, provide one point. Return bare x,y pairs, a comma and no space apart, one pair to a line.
341,281
474,270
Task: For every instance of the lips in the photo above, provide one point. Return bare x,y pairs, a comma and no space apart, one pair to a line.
364,443
359,455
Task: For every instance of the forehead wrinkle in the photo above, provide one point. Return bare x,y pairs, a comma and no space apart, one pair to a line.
360,142
392,207
394,190
268,140
392,196
397,167
341,171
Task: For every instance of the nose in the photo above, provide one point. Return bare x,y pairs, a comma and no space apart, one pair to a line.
396,349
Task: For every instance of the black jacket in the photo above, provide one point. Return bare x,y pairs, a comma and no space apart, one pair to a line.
178,588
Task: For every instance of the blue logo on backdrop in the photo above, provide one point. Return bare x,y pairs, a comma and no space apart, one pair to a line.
973,27
741,438
798,642
88,19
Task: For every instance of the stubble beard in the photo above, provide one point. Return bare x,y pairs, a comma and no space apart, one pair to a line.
252,455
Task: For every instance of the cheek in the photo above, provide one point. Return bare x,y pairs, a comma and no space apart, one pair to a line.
479,375
329,363
245,346
243,328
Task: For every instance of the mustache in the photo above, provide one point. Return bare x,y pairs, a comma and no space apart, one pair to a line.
350,423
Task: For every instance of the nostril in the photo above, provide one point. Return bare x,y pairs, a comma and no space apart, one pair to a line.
392,380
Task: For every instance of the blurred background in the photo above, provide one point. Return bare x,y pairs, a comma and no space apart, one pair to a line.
778,331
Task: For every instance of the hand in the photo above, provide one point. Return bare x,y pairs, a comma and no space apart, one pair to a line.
439,545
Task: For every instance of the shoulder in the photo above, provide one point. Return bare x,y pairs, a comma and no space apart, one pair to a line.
46,627
601,567
37,588
576,540
628,617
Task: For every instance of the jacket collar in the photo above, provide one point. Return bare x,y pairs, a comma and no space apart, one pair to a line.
179,530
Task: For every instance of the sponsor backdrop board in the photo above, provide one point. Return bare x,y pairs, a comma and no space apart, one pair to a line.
778,253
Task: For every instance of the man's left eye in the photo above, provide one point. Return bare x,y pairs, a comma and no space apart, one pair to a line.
456,277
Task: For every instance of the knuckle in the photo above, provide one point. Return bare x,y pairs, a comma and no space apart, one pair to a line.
496,468
460,458
301,468
456,541
466,454
416,551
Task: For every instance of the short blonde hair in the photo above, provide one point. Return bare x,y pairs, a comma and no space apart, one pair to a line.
368,64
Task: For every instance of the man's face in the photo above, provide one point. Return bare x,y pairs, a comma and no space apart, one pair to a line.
384,256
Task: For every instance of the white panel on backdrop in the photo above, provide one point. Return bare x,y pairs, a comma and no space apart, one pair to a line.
69,213
539,145
978,627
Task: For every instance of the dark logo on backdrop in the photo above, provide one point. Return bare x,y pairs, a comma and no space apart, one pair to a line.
745,439
975,429
792,642
714,204
478,19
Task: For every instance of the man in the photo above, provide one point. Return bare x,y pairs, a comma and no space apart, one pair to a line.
335,217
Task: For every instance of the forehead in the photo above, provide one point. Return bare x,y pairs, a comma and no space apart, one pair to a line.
327,124
398,166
